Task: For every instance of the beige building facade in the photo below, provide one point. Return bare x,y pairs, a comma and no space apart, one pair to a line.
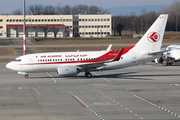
55,25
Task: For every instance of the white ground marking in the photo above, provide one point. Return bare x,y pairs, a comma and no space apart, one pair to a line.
37,91
52,77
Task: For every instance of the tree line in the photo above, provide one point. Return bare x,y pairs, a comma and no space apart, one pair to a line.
58,10
139,24
135,24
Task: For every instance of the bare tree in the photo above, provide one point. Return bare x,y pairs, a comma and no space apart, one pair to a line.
17,12
58,9
55,31
67,10
93,9
79,9
45,30
49,10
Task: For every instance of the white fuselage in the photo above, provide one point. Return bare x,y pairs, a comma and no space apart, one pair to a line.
49,62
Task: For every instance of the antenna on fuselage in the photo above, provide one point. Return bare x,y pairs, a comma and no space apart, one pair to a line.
24,29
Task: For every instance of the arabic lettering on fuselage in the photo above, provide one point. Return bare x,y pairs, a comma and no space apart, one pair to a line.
85,55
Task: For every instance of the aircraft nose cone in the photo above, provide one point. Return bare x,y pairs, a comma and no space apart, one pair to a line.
8,65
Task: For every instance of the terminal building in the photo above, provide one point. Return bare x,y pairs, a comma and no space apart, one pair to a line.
58,26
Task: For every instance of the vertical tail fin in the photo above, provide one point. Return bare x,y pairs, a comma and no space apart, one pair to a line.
152,39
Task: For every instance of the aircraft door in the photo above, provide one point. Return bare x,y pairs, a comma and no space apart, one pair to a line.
30,61
134,58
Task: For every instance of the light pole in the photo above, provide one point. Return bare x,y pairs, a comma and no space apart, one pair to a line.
176,26
30,26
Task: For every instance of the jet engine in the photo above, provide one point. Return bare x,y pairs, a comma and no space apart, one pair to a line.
67,71
159,60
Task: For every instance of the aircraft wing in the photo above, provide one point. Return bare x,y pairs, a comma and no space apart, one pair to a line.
100,64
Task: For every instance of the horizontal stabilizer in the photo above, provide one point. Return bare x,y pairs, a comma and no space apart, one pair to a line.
158,52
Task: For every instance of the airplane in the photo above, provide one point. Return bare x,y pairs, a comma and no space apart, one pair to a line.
172,55
72,63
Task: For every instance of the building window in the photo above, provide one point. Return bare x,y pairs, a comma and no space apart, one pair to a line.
1,27
108,19
92,19
42,20
64,20
92,26
86,26
48,20
89,26
26,20
52,20
104,19
32,20
45,20
101,19
57,20
70,20
98,26
85,19
105,26
82,19
1,34
17,20
95,19
13,20
82,26
36,20
20,20
79,19
108,26
89,20
1,20
98,19
7,20
101,26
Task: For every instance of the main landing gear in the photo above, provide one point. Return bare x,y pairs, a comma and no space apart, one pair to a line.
26,76
88,74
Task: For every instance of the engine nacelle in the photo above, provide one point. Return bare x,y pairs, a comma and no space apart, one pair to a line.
67,71
159,60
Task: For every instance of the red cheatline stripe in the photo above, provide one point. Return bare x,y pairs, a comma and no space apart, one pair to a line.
78,101
35,25
147,100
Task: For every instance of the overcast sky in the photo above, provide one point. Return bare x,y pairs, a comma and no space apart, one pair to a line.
8,6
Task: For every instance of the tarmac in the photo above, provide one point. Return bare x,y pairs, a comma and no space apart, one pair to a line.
147,91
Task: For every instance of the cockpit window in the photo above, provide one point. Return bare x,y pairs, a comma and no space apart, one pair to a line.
17,60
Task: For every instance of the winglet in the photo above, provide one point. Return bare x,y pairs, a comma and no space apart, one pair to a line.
119,55
109,48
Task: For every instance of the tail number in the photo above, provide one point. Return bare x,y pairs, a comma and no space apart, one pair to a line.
153,37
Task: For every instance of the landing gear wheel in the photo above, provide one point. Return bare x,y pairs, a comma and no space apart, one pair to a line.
88,75
27,76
